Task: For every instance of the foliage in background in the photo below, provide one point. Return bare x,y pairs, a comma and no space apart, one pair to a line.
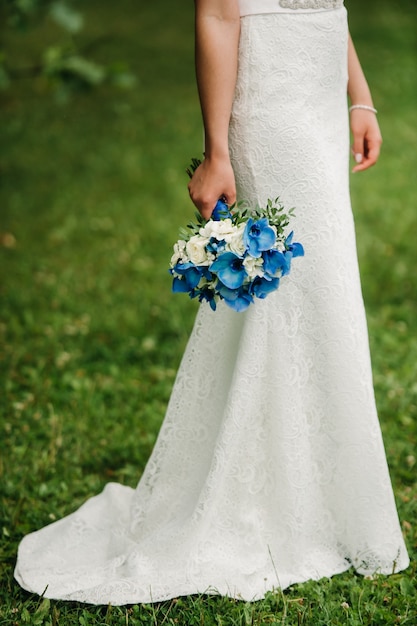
92,196
64,62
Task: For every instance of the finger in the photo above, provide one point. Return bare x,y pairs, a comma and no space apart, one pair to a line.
358,148
204,205
207,209
372,152
231,197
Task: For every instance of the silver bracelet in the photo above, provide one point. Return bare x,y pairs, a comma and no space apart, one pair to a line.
365,107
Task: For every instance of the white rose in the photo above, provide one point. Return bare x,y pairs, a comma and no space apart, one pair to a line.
253,266
180,255
196,250
234,241
207,230
218,229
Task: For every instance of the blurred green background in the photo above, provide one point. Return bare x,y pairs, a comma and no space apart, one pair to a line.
93,191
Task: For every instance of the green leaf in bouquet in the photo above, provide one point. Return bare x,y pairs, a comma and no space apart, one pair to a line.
184,233
193,166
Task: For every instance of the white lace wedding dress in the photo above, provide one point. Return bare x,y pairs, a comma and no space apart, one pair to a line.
269,468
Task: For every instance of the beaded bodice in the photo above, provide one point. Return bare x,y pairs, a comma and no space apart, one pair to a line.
249,7
310,4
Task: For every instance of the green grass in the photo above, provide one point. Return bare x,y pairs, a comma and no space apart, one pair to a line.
93,194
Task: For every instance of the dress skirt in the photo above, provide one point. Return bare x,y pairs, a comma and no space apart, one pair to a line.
269,468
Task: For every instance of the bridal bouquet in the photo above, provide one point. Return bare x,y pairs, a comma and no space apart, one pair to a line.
237,255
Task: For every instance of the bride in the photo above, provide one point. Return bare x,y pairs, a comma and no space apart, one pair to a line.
269,469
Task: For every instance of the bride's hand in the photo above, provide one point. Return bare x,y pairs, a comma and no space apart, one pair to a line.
367,139
212,180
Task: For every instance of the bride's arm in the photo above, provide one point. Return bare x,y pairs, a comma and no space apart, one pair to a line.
365,129
217,25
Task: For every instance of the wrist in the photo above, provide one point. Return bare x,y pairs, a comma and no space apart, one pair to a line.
363,107
217,154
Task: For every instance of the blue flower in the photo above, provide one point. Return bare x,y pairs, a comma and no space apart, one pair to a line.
236,299
214,246
274,260
220,211
261,287
179,285
229,269
205,294
292,250
190,277
258,236
296,249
